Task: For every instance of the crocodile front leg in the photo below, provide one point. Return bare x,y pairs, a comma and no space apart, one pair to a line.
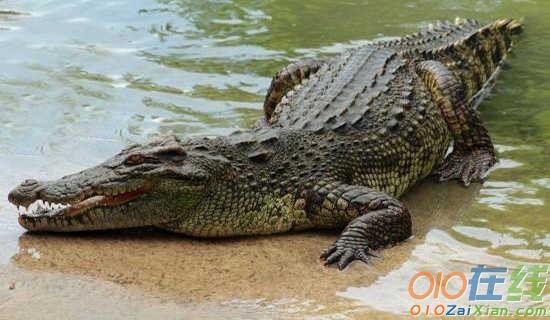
285,80
378,220
473,152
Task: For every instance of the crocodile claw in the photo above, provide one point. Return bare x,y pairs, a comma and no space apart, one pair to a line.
467,166
343,253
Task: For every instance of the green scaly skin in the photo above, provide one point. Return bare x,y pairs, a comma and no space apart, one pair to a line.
341,140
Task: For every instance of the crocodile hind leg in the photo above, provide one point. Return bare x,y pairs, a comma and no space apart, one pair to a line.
285,80
377,220
473,152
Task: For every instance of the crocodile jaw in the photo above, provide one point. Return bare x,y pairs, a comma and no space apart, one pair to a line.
42,210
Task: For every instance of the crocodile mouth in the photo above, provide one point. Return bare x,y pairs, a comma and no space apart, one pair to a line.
43,206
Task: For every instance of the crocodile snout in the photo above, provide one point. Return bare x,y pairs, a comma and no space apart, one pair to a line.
26,193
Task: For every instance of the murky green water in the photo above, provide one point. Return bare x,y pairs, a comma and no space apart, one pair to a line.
81,79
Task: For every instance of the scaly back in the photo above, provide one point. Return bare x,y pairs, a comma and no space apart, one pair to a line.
373,86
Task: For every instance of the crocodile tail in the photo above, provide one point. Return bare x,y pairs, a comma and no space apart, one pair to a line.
477,57
439,35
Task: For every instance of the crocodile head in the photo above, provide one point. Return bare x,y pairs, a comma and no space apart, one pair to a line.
143,185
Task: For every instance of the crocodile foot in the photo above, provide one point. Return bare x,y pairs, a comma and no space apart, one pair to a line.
467,166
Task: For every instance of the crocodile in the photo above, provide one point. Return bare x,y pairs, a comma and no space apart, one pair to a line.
341,140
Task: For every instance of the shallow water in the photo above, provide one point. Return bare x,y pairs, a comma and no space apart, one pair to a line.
81,79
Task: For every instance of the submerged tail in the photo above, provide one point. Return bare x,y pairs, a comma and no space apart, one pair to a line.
477,57
473,51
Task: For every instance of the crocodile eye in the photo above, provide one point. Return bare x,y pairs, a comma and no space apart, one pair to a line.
170,151
134,159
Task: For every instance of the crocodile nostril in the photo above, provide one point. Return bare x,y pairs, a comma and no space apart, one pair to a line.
29,182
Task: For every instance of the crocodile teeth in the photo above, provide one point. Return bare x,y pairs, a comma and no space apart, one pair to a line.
74,205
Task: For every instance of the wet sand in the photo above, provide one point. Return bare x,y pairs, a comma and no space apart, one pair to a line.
140,273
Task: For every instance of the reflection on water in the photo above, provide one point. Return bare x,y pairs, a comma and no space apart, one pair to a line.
81,79
499,194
